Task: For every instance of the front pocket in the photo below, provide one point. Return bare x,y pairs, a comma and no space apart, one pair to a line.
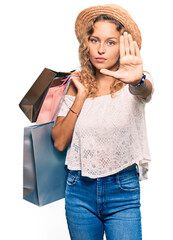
130,183
72,178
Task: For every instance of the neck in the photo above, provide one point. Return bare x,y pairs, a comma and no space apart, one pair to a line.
103,83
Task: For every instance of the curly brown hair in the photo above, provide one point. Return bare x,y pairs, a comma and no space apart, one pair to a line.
88,70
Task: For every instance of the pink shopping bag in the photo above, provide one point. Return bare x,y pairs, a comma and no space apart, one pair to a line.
50,103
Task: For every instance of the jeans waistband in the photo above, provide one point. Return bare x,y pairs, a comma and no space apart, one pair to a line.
128,170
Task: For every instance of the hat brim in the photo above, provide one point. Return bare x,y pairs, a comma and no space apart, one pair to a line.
113,11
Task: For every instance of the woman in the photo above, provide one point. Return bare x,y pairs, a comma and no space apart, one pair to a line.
102,122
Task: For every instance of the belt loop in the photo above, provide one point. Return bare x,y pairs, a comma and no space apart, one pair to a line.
137,168
117,178
79,173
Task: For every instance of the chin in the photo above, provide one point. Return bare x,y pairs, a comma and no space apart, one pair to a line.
111,68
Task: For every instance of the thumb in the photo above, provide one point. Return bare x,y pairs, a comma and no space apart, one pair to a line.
109,73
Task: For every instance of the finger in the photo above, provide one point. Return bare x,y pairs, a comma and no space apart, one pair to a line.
76,74
137,51
122,47
73,76
126,43
108,73
132,48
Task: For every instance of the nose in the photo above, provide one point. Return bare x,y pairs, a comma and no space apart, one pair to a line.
101,49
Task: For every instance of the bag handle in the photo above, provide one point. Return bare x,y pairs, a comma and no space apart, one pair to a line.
67,81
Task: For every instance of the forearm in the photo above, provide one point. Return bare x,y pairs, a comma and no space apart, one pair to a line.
63,130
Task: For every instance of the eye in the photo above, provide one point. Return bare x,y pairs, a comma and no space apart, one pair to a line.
93,40
111,43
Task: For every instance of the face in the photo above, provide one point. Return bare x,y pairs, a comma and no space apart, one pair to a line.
104,45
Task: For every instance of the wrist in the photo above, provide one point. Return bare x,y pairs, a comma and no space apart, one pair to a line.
140,88
81,95
76,113
78,103
140,82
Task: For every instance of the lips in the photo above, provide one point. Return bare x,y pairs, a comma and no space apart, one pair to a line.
100,60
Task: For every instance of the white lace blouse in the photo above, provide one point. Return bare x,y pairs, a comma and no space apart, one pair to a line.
109,135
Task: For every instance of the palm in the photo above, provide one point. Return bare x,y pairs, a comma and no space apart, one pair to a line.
131,65
130,69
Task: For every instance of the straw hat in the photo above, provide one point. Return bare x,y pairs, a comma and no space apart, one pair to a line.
112,10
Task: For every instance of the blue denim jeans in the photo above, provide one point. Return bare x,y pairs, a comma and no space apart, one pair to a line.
109,204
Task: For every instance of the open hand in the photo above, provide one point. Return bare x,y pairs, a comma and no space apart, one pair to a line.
131,65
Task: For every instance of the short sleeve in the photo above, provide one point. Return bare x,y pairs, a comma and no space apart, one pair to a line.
148,99
67,103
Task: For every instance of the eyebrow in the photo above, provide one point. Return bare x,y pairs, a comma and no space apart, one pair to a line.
107,38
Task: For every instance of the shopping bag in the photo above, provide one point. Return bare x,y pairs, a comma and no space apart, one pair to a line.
49,105
44,170
32,101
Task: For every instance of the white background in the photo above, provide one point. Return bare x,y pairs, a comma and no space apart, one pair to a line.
36,34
